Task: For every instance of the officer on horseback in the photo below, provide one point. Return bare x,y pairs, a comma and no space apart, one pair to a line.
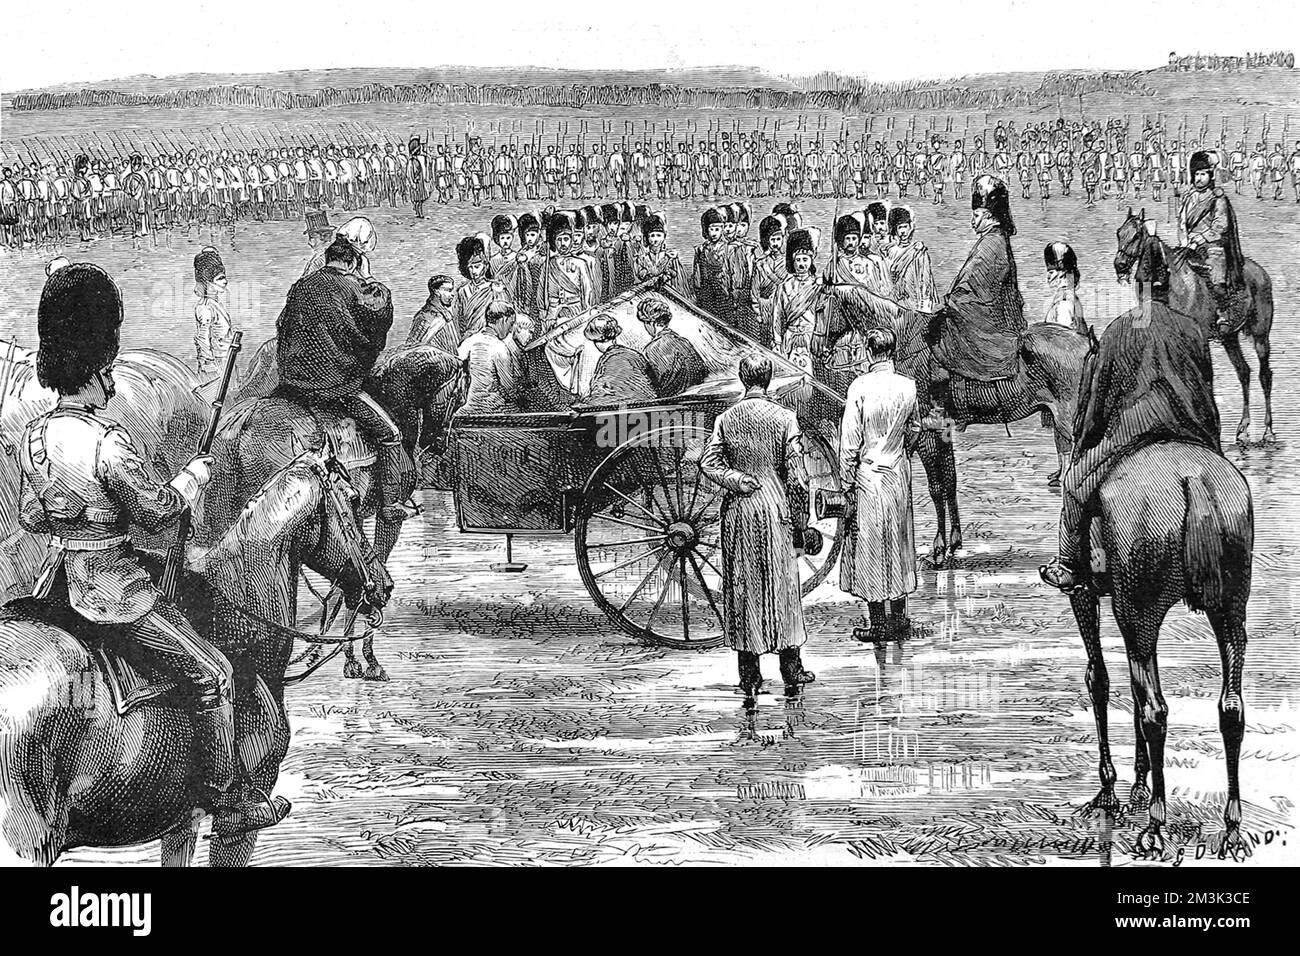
1207,226
84,484
1149,379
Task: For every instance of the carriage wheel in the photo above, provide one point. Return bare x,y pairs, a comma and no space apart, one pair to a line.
648,538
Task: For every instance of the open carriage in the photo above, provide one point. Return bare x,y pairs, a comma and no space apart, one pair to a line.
626,482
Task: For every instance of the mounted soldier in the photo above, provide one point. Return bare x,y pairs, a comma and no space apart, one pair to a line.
84,484
1207,226
976,332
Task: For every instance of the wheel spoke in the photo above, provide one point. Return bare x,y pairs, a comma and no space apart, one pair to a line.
681,499
699,576
665,557
635,504
711,565
686,608
633,560
649,488
695,488
808,561
659,602
629,524
624,544
663,480
695,518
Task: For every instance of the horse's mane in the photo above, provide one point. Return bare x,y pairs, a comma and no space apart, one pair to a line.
252,517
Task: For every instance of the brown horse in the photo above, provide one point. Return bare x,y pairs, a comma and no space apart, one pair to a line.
1189,293
1046,383
1177,524
415,384
76,771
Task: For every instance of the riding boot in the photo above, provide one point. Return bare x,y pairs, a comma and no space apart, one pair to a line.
876,623
898,625
396,478
939,417
1227,320
214,740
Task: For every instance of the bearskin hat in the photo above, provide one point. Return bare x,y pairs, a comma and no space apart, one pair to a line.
652,223
504,223
626,212
640,212
789,212
588,216
208,265
558,222
468,248
527,223
1201,160
744,213
415,146
769,226
850,224
712,216
800,240
610,213
876,212
990,193
79,321
897,216
1059,256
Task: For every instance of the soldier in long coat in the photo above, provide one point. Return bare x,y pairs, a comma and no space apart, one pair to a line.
877,433
755,454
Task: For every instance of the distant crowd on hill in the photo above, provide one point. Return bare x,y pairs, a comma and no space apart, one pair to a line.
1251,61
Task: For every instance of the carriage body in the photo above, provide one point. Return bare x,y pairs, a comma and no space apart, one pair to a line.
625,482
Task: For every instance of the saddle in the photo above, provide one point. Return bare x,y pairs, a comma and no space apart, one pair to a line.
130,670
302,428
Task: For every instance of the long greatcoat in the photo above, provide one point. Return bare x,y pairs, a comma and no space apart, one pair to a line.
977,331
879,560
761,597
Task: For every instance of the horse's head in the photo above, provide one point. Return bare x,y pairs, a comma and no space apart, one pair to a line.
341,552
1130,236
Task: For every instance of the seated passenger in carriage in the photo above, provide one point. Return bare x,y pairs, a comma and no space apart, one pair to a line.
435,324
622,374
493,363
673,362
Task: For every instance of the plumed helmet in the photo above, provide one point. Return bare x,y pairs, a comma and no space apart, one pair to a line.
559,222
1201,161
769,227
652,223
897,216
208,265
504,223
712,216
1059,256
990,193
800,240
468,248
850,224
79,322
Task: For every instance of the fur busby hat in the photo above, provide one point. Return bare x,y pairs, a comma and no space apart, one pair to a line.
897,216
1201,160
640,212
504,223
744,212
846,225
653,222
768,227
990,193
610,213
800,240
558,222
527,223
415,147
626,212
874,213
208,265
79,321
468,248
1059,256
789,212
588,216
712,216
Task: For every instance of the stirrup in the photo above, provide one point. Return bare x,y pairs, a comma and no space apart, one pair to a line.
234,820
1060,577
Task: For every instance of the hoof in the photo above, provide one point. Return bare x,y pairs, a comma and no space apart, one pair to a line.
375,672
1234,846
1139,798
1270,438
1054,480
352,669
1243,438
1104,802
1151,843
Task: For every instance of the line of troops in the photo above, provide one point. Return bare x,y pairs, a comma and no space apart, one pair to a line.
95,196
560,263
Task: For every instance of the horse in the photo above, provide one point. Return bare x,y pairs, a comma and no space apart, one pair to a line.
1046,383
1176,524
1189,293
416,385
80,766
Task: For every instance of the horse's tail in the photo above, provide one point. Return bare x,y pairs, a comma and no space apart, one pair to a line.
1217,539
